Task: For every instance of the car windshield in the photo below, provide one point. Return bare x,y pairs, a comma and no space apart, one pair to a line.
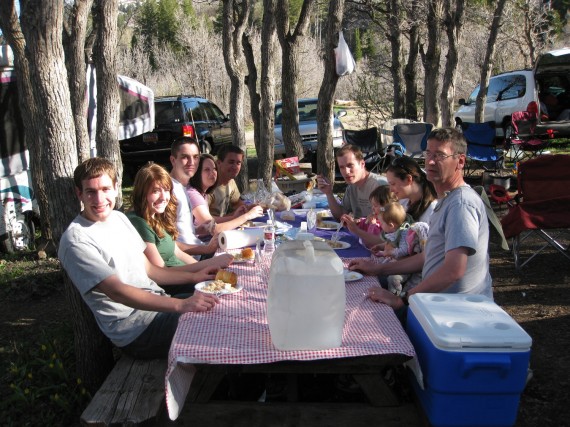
307,112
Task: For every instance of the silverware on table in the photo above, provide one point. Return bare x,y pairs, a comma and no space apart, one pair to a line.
336,234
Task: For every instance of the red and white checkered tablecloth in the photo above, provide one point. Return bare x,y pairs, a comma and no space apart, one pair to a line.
236,332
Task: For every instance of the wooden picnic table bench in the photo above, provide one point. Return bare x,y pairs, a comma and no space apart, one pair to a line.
132,394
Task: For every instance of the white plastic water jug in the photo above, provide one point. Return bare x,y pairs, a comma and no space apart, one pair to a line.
306,297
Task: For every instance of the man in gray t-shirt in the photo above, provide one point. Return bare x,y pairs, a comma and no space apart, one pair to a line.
104,256
360,183
456,257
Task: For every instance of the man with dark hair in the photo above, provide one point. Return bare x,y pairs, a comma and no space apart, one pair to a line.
225,202
185,157
360,183
104,256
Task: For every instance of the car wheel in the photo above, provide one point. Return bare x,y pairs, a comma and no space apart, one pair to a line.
509,132
21,237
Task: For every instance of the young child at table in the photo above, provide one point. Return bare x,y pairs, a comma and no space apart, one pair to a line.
402,239
369,229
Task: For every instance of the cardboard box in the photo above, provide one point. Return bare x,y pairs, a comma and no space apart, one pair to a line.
474,358
288,167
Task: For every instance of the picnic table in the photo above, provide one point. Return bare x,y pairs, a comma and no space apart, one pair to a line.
235,335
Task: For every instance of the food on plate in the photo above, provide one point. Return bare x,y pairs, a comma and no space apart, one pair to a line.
227,277
218,286
321,215
335,245
247,254
327,225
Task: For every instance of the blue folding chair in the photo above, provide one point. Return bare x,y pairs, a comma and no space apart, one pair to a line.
413,136
481,151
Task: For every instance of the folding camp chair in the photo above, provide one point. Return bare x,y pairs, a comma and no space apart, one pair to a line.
386,142
481,151
367,141
543,204
413,136
525,138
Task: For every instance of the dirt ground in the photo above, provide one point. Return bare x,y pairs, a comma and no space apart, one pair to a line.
538,298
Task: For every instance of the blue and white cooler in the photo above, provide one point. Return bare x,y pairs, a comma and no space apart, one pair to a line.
473,356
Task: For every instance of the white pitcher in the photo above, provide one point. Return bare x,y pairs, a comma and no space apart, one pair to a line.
306,297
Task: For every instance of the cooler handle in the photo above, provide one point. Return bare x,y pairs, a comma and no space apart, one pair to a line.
501,363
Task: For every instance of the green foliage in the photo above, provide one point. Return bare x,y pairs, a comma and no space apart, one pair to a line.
159,23
295,7
357,46
41,386
369,49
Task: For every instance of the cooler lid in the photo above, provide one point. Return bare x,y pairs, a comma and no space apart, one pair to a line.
469,322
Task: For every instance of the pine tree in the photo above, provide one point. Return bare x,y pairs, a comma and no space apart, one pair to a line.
357,45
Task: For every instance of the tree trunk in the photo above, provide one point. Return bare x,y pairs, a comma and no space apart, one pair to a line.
325,154
267,121
234,22
411,109
42,29
254,96
453,22
396,69
74,46
45,93
431,63
488,63
290,44
107,87
93,350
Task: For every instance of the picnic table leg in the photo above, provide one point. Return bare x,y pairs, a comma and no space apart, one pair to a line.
205,383
376,390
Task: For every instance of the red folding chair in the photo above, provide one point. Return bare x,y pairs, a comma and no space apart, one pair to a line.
543,204
526,137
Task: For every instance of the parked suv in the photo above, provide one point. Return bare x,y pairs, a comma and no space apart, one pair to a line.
307,126
546,86
177,116
507,93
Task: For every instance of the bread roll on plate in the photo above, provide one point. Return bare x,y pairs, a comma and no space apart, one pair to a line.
247,253
227,277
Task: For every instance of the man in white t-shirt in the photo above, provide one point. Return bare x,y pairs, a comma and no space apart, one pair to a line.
103,254
185,157
360,183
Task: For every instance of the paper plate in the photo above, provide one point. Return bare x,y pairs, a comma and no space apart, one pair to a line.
338,244
253,224
200,287
351,276
327,225
300,212
239,260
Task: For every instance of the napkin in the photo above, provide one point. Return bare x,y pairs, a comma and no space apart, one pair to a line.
234,239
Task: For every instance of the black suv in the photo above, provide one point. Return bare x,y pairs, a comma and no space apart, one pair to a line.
177,116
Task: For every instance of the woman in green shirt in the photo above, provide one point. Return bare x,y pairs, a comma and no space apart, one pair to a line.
154,217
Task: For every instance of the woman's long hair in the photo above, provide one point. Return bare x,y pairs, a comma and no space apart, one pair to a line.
196,181
401,167
146,178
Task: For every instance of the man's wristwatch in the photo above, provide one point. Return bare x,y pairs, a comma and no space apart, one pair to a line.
404,296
